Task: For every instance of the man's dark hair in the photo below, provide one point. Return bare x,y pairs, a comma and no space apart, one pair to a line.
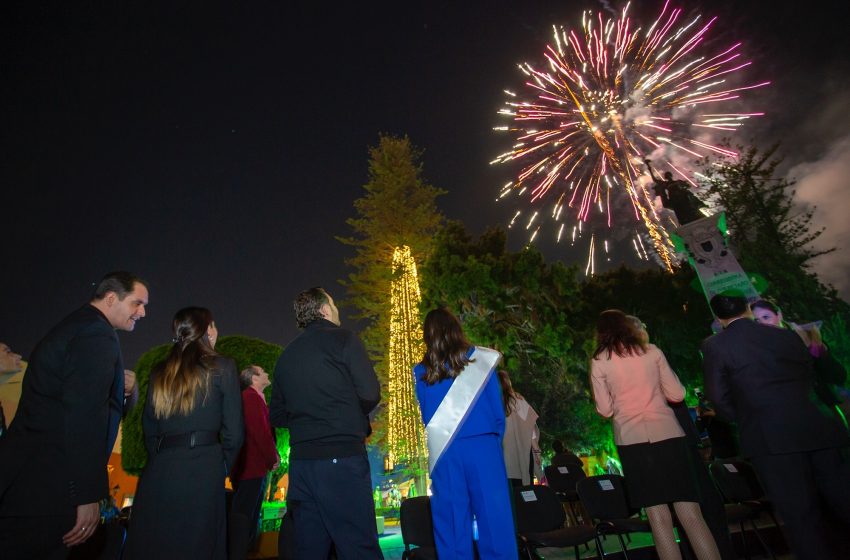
308,306
121,282
728,305
558,446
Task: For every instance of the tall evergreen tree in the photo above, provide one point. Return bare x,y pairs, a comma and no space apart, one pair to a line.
398,209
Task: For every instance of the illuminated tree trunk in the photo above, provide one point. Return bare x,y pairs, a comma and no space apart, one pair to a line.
405,433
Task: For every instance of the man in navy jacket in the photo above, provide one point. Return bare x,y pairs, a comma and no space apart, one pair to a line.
324,389
761,377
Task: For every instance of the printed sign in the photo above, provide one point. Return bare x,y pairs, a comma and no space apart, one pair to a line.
704,243
606,485
528,496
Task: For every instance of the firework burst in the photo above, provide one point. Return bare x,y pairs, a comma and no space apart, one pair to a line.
612,95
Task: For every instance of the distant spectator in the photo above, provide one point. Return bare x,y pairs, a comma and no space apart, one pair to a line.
563,457
10,363
676,196
520,445
258,456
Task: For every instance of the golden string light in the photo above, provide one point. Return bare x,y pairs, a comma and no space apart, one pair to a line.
405,434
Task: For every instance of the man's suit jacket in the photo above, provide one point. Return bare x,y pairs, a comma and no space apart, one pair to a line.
54,456
761,377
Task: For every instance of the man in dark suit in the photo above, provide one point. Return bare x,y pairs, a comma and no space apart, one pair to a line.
761,377
53,458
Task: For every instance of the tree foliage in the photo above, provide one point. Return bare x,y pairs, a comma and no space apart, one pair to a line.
398,208
542,317
525,308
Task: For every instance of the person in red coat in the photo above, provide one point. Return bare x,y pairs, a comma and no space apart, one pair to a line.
258,456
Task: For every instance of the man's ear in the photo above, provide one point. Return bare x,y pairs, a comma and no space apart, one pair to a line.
325,310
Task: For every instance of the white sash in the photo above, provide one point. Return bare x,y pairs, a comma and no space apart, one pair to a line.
458,401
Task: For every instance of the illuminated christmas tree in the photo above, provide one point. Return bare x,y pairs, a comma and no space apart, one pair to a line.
405,432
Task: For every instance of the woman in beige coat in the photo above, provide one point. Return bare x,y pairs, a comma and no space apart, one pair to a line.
632,383
520,445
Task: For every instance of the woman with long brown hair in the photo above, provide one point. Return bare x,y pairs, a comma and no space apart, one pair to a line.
193,431
520,445
458,393
632,383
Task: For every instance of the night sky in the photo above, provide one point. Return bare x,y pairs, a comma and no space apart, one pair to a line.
216,151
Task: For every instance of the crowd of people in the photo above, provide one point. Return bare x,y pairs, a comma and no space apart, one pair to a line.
204,421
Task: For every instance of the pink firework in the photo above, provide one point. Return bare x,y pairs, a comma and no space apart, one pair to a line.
612,95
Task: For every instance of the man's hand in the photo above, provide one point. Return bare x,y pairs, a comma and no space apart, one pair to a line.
129,382
88,518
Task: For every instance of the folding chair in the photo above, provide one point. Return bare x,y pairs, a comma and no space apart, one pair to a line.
741,490
417,529
562,479
540,521
604,499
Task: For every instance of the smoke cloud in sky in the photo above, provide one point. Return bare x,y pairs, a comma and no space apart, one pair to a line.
825,184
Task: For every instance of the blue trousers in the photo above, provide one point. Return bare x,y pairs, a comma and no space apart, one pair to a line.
331,503
470,479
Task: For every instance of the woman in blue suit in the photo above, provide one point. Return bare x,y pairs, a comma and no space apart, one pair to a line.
468,476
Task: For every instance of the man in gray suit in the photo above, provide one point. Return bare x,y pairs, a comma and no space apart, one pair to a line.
53,458
762,378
